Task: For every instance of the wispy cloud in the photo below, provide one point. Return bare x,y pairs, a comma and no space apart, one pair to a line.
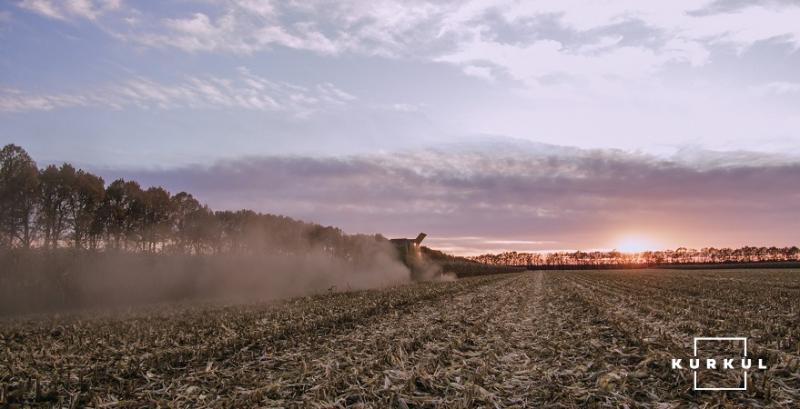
240,26
777,88
680,32
655,76
567,49
479,72
461,32
553,43
244,91
70,9
399,28
474,245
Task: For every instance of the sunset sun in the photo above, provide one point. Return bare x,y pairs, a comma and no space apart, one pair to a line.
634,244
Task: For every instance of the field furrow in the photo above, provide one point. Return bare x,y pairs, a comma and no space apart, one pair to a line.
558,339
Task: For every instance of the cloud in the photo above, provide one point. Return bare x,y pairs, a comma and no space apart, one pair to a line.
405,107
479,72
746,26
683,29
779,88
589,46
386,28
742,24
245,91
43,7
632,74
535,63
537,198
225,33
241,27
69,9
473,245
602,43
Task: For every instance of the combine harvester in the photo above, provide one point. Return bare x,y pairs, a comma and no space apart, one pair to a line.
411,255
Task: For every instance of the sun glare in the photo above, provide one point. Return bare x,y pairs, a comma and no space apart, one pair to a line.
634,244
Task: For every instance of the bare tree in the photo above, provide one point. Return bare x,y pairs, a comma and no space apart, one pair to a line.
156,227
88,192
19,193
57,201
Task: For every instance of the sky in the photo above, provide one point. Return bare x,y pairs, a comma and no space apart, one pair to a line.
491,125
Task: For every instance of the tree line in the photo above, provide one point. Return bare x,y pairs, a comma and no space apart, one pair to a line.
681,255
64,207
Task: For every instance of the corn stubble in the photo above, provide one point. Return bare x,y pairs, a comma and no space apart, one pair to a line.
555,339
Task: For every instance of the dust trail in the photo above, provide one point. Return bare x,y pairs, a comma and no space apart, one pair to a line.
35,281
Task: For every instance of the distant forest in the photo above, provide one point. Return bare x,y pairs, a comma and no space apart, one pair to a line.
681,255
63,207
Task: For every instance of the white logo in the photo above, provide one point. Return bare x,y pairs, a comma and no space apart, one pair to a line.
742,363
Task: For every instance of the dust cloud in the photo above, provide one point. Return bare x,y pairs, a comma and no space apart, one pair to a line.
58,280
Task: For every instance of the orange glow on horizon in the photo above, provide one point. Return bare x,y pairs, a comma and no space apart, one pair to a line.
635,244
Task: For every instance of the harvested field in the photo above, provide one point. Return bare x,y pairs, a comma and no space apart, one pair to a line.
534,339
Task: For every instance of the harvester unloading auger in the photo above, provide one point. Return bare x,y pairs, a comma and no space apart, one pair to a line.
410,253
